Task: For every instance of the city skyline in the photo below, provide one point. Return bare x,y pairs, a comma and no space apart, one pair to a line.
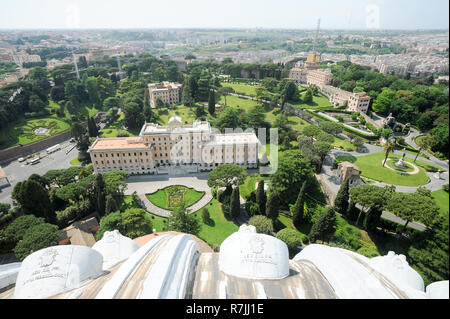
268,14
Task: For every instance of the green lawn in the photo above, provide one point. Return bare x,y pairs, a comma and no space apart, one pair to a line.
22,131
371,167
318,101
249,184
171,197
442,199
219,229
75,162
242,88
214,233
238,102
186,113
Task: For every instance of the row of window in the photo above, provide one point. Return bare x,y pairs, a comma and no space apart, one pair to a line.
118,154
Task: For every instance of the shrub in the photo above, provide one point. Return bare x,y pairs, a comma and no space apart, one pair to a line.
36,238
290,237
263,224
368,252
445,187
205,216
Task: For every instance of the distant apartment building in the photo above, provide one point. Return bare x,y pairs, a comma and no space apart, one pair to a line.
20,59
157,147
168,92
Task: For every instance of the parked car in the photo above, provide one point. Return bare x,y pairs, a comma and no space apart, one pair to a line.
21,159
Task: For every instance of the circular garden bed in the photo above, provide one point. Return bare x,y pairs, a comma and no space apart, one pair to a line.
172,196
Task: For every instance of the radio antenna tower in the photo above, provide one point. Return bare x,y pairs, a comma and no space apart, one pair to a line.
119,65
76,66
316,36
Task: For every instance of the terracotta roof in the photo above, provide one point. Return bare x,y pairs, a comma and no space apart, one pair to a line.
119,143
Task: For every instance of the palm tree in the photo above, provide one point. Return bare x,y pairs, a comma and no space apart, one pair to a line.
388,147
423,143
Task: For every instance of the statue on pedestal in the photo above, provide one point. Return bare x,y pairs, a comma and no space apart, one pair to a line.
401,161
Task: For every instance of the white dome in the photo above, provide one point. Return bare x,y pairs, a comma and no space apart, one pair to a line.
114,248
438,290
56,269
396,268
355,276
247,254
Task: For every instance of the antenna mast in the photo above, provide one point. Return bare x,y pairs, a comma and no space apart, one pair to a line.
119,65
76,66
316,36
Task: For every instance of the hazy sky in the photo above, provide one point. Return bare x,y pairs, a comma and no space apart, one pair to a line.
334,14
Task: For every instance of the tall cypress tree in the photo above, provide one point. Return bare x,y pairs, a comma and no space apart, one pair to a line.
235,203
342,197
111,205
212,102
261,198
299,207
187,98
100,199
272,206
324,226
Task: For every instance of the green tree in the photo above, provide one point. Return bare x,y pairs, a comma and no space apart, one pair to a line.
413,207
36,238
308,97
181,221
273,206
342,197
206,218
293,169
423,143
369,196
134,224
388,147
134,118
111,205
15,231
224,91
228,119
92,127
262,224
99,191
324,226
290,237
186,97
261,197
212,102
298,211
235,203
226,175
34,199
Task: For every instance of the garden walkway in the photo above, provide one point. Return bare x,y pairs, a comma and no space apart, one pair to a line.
147,184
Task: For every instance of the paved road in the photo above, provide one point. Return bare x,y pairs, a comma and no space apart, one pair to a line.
332,183
410,139
17,172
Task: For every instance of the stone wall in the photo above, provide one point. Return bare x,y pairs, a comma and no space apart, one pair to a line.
15,152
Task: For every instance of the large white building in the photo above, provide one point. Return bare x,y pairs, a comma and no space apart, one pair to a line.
195,146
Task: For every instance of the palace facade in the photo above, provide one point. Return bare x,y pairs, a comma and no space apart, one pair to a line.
157,148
